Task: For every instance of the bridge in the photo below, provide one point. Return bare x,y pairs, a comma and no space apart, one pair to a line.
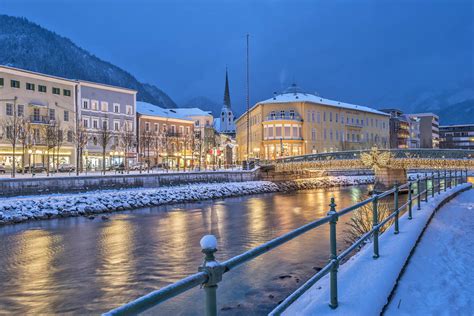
390,165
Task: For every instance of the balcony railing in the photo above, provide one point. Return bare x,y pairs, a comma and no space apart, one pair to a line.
40,119
286,117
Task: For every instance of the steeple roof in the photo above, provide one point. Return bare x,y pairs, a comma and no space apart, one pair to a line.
226,91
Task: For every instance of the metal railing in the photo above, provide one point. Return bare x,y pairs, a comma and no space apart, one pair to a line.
212,271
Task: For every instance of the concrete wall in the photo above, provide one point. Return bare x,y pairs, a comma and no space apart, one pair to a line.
17,187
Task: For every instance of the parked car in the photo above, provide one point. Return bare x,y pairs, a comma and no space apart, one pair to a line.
2,169
36,168
66,167
138,166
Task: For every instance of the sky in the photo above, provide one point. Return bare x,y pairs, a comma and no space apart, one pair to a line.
371,52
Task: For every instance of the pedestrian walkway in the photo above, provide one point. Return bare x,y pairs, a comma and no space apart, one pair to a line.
439,278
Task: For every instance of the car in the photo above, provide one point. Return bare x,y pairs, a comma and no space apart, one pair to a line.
66,167
2,169
35,168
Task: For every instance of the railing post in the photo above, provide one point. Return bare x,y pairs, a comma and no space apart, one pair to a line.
445,181
334,263
426,187
450,179
439,183
375,222
432,184
395,203
409,201
466,175
418,193
214,271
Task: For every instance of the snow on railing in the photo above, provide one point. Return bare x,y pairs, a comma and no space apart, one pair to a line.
212,271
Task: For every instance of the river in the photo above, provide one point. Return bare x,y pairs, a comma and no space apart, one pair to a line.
82,266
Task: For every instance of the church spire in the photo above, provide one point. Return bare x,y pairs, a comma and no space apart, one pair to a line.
226,91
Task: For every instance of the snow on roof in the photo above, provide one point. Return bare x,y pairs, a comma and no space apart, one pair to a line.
295,94
154,110
192,112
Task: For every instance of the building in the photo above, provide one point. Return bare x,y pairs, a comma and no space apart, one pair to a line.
205,135
296,123
226,124
37,114
165,137
413,131
457,136
108,116
429,129
399,128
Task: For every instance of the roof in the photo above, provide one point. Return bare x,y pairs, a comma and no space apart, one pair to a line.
33,73
145,108
297,96
105,86
186,112
457,125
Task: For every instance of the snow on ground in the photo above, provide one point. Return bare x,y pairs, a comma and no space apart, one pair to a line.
364,283
19,209
439,278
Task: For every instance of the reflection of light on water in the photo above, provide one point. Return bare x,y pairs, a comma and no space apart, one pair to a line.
40,249
297,210
356,194
116,243
256,220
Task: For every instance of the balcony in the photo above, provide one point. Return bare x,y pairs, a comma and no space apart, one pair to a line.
40,119
286,117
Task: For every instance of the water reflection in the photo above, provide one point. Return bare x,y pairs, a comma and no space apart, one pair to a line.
90,266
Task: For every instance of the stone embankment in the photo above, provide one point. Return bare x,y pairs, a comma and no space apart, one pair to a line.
16,210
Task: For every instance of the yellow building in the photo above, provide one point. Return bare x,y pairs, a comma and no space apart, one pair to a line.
297,123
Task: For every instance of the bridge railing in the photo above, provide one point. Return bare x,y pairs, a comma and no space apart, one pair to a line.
212,271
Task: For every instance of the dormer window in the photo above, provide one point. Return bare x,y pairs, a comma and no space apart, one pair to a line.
273,115
292,114
282,114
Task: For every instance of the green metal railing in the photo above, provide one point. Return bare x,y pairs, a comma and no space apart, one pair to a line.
212,271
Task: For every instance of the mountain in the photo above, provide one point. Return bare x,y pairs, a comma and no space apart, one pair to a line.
26,45
204,103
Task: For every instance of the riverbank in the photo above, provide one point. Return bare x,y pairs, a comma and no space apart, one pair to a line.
21,209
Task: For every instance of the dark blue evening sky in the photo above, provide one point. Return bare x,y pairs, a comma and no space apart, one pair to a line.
373,52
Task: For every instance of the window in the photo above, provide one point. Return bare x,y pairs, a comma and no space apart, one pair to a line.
41,88
105,125
69,136
95,123
147,126
9,132
21,110
85,104
313,134
9,109
94,105
116,108
15,83
30,86
336,117
56,90
187,130
66,116
36,115
330,116
156,127
116,126
319,117
312,117
173,129
60,135
1,82
104,106
85,122
129,110
52,114
278,131
196,123
66,92
181,130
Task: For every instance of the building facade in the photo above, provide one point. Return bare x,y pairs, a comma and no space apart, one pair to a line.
429,129
37,113
108,115
399,128
457,136
226,124
295,123
165,137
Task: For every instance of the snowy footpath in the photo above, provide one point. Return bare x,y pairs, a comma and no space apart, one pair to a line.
20,209
365,284
439,279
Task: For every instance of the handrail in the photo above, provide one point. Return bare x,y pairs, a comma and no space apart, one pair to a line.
211,271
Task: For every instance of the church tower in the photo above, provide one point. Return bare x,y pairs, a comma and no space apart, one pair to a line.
227,125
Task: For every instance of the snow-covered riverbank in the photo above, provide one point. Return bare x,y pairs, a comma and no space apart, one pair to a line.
20,209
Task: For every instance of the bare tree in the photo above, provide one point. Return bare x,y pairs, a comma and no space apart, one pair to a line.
25,137
104,135
81,137
127,142
11,127
59,133
146,142
50,139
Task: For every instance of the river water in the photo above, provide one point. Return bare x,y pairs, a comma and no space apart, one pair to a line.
83,266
